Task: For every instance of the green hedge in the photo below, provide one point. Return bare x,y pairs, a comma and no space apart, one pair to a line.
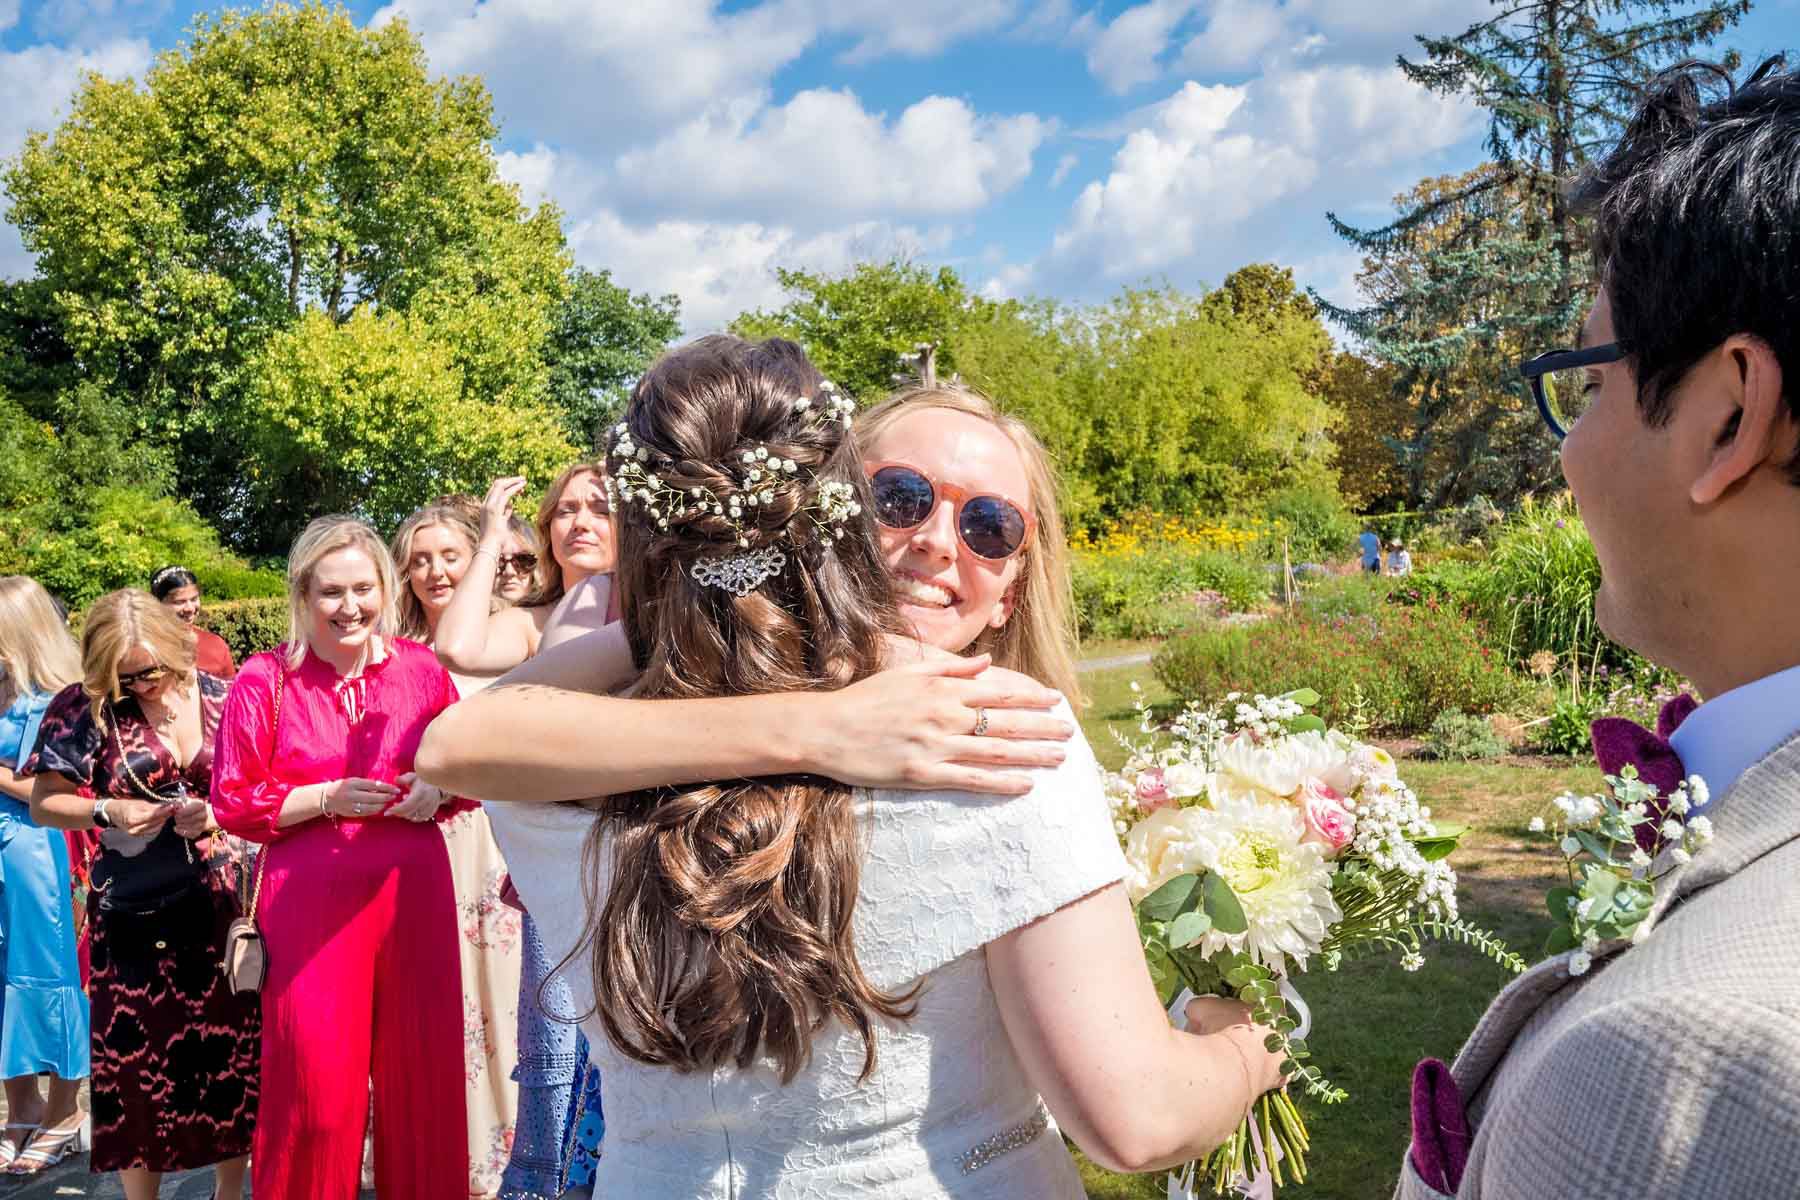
1153,593
1399,669
248,626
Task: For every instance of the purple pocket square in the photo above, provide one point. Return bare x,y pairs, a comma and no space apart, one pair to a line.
1619,743
1440,1127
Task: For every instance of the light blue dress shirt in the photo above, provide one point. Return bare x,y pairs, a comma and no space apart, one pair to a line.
1734,731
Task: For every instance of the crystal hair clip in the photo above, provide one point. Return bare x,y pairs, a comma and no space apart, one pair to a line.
739,574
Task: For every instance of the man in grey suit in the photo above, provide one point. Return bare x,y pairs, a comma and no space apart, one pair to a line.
1672,1067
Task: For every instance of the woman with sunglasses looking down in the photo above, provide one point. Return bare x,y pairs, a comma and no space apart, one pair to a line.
175,1053
752,1044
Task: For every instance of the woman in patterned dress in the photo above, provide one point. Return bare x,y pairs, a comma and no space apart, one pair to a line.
433,549
129,750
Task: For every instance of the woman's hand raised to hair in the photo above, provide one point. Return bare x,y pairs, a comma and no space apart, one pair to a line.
496,506
912,726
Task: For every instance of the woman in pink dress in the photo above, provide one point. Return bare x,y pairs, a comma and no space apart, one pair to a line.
315,757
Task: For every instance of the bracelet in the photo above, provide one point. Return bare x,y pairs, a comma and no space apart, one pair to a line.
1244,1062
324,795
102,820
489,553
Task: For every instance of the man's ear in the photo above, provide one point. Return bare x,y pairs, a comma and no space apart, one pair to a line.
1753,429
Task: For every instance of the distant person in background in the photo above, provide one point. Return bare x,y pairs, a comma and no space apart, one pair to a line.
44,1021
515,566
1399,562
177,588
1371,551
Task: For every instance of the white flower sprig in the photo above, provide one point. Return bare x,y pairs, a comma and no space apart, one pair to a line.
1611,894
633,481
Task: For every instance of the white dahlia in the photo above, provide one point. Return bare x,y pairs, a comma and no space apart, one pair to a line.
1277,767
1282,881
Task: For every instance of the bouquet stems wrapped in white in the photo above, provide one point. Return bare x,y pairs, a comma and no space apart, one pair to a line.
1257,840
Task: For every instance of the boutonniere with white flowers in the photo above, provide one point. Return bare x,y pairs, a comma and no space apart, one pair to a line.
1618,845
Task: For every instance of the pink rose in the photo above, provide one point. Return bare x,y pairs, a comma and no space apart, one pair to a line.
1152,789
1328,822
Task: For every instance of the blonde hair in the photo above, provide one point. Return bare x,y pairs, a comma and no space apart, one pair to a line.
550,588
36,652
448,512
328,535
1039,638
116,624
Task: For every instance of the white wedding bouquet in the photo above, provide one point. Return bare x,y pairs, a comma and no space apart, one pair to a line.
1258,840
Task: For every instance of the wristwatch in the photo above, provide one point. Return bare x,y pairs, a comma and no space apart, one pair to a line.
101,820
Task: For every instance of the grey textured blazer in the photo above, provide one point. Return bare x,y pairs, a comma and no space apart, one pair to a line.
1673,1067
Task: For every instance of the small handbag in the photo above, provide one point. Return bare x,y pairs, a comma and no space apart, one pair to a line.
246,956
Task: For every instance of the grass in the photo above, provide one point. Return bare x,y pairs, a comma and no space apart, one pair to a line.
1373,1021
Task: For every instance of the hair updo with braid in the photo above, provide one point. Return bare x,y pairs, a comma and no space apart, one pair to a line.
726,930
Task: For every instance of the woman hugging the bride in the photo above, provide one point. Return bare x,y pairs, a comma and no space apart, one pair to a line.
798,978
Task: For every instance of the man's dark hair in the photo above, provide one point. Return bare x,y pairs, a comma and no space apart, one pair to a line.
1697,225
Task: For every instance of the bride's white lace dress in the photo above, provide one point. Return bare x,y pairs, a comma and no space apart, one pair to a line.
948,1111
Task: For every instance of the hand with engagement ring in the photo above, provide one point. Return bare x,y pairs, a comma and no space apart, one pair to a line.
422,799
357,797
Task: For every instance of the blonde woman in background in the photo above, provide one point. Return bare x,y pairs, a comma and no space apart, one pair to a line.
516,563
129,750
575,537
434,549
44,1020
315,758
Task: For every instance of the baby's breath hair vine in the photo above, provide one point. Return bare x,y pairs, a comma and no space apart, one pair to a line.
635,484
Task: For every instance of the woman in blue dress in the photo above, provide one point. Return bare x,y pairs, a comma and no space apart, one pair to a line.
44,1015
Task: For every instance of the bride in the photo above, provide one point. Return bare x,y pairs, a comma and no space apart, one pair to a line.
795,988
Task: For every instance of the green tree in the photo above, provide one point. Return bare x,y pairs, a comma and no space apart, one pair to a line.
856,326
372,415
284,167
602,338
1477,269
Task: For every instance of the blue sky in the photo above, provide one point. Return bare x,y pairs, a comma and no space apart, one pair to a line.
1042,147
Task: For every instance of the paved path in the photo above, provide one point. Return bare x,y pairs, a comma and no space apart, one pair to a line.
72,1179
1117,660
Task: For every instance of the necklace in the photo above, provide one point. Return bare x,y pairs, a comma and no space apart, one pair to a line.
165,719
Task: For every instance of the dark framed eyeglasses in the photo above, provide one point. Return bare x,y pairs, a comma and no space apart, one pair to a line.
147,675
988,525
1560,383
524,562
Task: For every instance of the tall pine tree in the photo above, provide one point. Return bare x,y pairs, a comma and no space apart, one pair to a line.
1483,269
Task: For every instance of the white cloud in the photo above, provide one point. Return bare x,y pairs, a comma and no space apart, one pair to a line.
603,75
1184,185
1128,51
719,268
36,85
9,14
822,156
1064,165
1237,33
915,29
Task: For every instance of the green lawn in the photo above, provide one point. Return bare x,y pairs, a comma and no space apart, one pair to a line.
1373,1021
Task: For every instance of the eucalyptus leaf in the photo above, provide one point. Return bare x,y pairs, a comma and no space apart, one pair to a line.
1221,904
1171,899
1307,724
1188,928
1561,938
1305,697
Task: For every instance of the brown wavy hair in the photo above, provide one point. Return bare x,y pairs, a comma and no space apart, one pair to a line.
727,930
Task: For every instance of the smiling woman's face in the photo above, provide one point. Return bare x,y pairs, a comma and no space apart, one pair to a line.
343,602
947,593
439,558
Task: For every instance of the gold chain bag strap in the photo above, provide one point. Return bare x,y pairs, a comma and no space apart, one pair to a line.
246,956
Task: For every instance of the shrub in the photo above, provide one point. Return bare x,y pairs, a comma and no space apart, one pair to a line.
1442,583
1568,731
1338,596
1536,588
1406,665
248,626
1154,589
1313,521
117,539
1457,736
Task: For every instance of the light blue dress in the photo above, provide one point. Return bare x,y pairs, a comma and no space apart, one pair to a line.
44,1015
